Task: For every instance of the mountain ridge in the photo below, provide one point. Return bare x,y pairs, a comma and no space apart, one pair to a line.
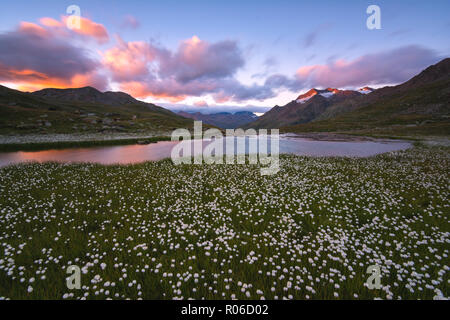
83,109
224,120
315,108
419,106
87,94
304,109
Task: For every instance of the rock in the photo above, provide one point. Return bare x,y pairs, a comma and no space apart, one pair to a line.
26,126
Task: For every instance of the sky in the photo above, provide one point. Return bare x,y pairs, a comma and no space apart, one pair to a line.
212,56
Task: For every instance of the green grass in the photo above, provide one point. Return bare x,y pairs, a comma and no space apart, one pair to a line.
165,226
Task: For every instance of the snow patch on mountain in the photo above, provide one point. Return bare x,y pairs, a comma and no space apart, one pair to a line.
365,90
303,100
327,94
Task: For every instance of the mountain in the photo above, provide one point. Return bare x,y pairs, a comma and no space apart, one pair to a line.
223,120
420,106
86,94
366,90
303,98
82,110
305,108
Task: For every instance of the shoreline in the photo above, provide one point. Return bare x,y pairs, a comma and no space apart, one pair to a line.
73,144
14,143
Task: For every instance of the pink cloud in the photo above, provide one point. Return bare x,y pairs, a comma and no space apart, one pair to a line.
40,55
392,66
129,60
221,97
50,22
196,59
34,57
32,29
52,27
201,103
32,80
90,28
197,67
143,90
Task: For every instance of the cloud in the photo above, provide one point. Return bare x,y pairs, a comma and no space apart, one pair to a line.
196,59
388,67
129,61
200,68
201,103
33,58
89,28
157,90
233,90
131,22
52,27
195,68
43,54
32,29
311,37
50,22
168,88
269,64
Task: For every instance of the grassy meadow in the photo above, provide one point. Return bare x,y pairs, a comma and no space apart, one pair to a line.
159,231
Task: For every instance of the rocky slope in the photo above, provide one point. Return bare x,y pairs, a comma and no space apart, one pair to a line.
420,105
305,108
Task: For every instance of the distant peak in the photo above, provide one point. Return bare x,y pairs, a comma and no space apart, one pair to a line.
326,93
334,90
88,88
306,96
88,95
81,89
312,91
365,90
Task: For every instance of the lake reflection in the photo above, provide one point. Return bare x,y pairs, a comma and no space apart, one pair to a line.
160,150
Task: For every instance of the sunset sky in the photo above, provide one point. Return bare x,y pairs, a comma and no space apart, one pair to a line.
218,55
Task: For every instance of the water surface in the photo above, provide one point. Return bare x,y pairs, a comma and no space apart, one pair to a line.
160,150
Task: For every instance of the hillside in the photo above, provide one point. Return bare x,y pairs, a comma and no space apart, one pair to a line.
418,106
86,94
82,110
305,108
225,120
